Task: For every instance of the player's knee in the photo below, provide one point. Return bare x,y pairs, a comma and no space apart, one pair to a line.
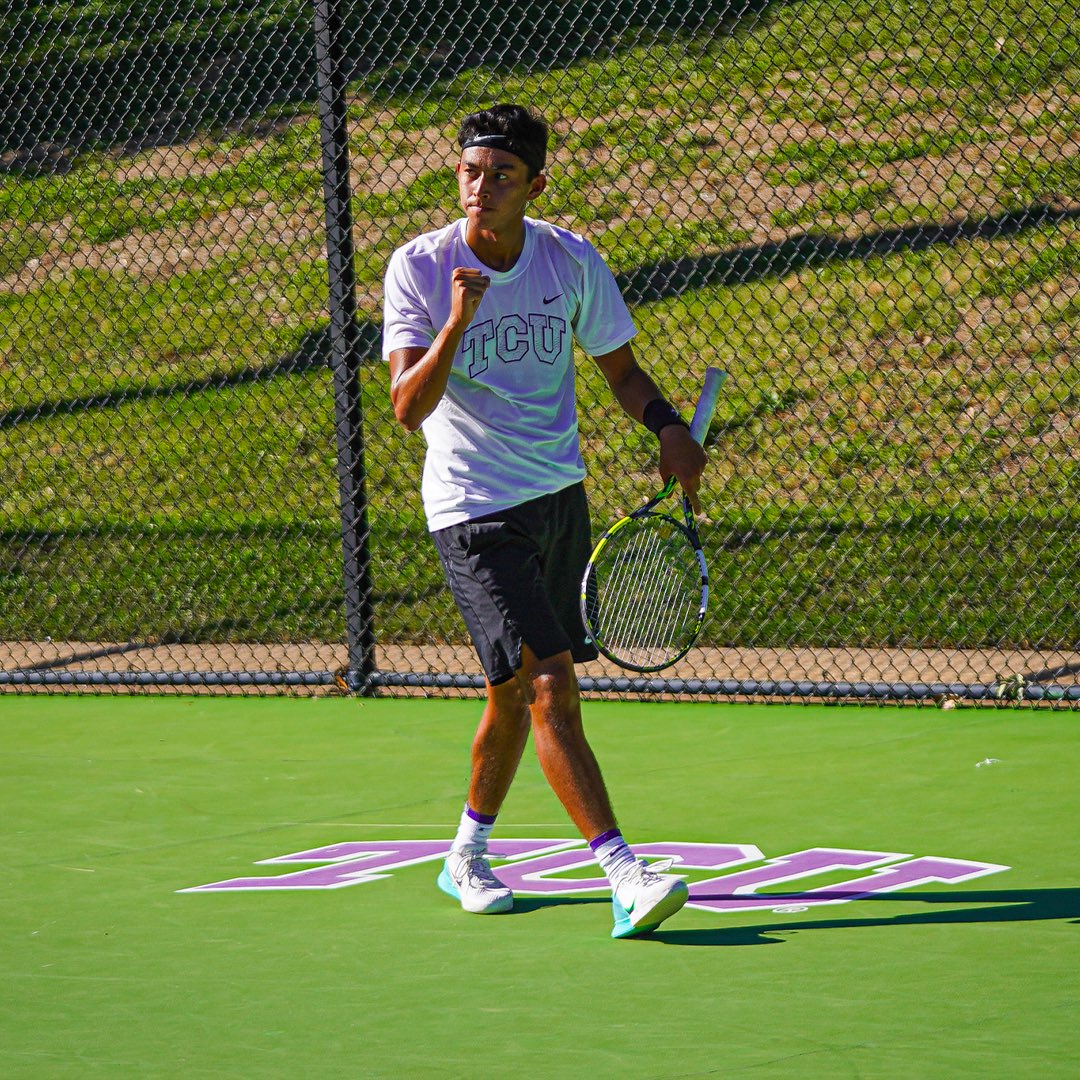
549,685
556,706
510,700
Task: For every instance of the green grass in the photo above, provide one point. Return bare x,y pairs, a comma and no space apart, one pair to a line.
890,508
107,208
18,245
247,311
893,460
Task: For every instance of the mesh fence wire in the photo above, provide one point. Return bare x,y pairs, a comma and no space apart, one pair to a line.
867,215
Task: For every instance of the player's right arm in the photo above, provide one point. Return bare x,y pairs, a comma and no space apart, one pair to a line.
418,377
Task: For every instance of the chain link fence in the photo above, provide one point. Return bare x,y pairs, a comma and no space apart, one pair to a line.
867,215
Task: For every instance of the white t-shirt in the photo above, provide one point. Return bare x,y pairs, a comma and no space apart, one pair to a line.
506,429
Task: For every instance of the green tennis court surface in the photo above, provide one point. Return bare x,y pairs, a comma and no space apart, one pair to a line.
111,806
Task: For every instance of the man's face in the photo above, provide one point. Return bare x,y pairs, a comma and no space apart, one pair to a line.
494,187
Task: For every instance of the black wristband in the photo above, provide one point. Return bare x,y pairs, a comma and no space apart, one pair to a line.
659,414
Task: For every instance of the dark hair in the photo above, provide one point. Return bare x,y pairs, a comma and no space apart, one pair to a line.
523,132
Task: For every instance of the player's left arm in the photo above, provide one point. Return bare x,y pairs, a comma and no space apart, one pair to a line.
633,387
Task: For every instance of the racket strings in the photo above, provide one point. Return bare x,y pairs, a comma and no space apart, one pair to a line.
646,593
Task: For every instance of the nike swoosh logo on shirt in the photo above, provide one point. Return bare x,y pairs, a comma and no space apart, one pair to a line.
552,299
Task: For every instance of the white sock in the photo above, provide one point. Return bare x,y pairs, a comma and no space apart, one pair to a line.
613,854
473,830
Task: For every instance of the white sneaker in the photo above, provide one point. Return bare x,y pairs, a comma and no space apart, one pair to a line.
642,900
467,876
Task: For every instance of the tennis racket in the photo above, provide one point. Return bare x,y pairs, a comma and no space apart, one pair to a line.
646,587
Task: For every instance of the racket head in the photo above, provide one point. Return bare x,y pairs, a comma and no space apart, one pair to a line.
645,591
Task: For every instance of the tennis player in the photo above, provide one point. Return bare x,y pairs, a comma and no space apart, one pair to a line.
480,319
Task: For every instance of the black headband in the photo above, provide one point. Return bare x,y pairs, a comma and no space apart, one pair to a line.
510,145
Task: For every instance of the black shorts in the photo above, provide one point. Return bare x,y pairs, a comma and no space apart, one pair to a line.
516,577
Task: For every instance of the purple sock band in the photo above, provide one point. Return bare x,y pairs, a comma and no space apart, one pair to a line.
483,819
603,838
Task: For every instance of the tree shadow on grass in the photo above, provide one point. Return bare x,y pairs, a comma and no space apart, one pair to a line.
1003,906
649,282
671,278
154,75
311,353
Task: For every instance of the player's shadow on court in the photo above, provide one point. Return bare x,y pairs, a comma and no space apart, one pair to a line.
1002,906
525,904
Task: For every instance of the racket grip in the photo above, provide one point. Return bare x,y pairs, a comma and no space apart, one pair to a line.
706,406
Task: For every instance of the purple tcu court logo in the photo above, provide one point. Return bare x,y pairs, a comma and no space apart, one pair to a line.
538,868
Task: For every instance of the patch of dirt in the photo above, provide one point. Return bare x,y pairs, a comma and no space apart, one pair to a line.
316,667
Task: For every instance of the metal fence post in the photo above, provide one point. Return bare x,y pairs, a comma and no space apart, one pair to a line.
344,342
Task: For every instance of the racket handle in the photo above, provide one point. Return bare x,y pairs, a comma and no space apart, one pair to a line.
706,406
